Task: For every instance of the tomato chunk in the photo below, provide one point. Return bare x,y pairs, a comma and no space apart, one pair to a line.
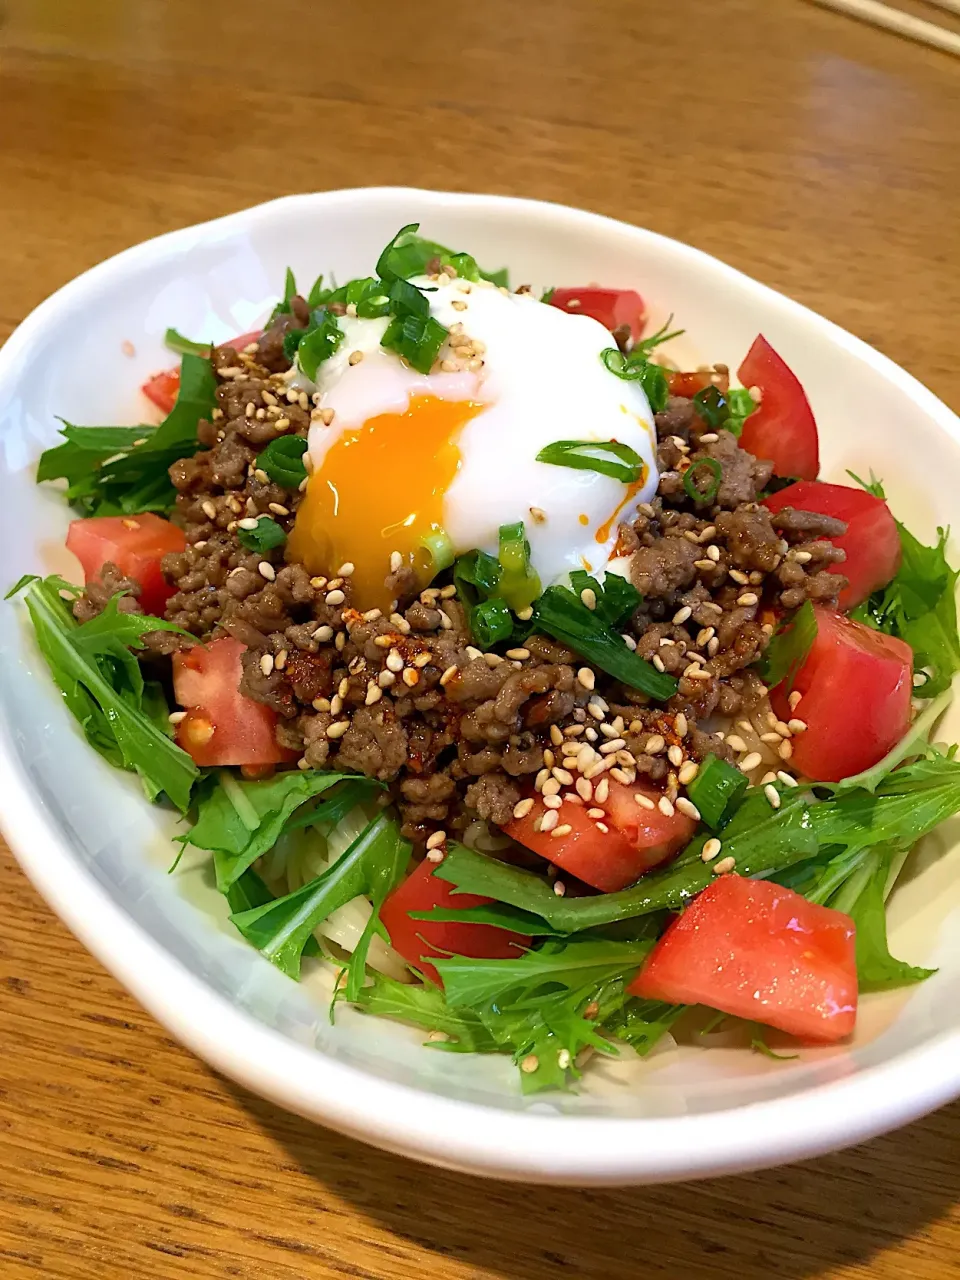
136,545
754,950
417,939
163,388
222,725
782,427
855,687
637,838
612,307
872,543
689,384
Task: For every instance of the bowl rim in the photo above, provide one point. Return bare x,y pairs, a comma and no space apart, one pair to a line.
468,1136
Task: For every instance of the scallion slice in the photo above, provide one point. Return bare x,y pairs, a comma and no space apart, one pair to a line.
491,622
581,455
715,789
282,460
438,546
706,494
183,346
519,584
265,537
417,338
650,376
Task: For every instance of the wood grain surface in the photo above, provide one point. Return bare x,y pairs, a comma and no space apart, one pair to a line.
817,155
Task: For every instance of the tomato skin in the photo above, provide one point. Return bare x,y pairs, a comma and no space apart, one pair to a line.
688,384
136,545
755,950
637,839
782,427
856,685
612,307
872,543
421,891
163,388
222,725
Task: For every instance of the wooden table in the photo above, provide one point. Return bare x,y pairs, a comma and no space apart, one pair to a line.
817,155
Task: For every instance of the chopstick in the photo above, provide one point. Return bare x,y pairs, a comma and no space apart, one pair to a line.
904,24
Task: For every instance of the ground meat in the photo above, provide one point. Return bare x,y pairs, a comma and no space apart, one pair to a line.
270,346
790,521
494,797
744,476
664,568
676,419
374,744
97,594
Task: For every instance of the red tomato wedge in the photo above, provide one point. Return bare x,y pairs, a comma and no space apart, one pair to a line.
637,839
782,427
222,726
415,939
871,542
163,388
855,688
688,384
754,950
136,545
612,307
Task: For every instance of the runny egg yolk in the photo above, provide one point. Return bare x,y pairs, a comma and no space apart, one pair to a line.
380,489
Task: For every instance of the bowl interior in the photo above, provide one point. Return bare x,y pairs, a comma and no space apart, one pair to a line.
220,279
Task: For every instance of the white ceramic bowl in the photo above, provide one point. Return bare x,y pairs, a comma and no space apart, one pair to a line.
97,851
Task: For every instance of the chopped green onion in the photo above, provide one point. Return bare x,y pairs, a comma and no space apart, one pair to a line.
715,789
788,649
417,339
265,537
491,622
440,549
547,294
650,376
476,576
183,346
577,455
282,460
318,343
519,584
567,619
724,410
707,494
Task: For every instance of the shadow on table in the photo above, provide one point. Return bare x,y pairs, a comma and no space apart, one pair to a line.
791,1223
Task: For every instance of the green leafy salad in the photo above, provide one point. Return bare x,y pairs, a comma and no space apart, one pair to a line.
535,814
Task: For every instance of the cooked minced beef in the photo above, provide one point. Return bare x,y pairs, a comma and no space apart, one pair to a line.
406,698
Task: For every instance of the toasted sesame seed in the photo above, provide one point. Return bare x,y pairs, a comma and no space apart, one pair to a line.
787,779
434,855
704,564
597,709
655,744
797,726
589,597
374,694
724,866
519,655
741,578
665,807
693,672
247,523
688,771
658,662
644,801
209,510
396,561
385,679
770,776
680,725
438,838
785,750
772,738
795,699
522,807
551,787
682,615
559,888
530,1064
750,762
689,808
748,598
411,677
559,832
549,759
448,675
525,614
346,569
548,820
601,791
266,570
176,716
281,660
354,357
266,663
562,776
552,802
710,849
338,729
772,794
675,756
556,737
587,678
540,779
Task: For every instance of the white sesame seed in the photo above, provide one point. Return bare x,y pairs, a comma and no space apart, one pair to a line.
354,357
680,725
770,776
209,510
658,662
724,866
518,655
747,599
437,839
338,729
589,597
552,802
785,750
551,787
522,808
586,756
266,663
688,772
559,888
740,578
601,791
396,561
689,808
783,729
386,679
655,744
584,789
548,820
247,523
334,597
794,700
772,794
374,694
176,716
665,807
750,762
597,709
530,1064
434,855
797,726
675,756
266,570
278,508
803,557
710,849
281,660
549,759
693,672
772,738
787,779
525,614
556,737
562,776
587,678
538,515
682,615
559,832
713,553
346,569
